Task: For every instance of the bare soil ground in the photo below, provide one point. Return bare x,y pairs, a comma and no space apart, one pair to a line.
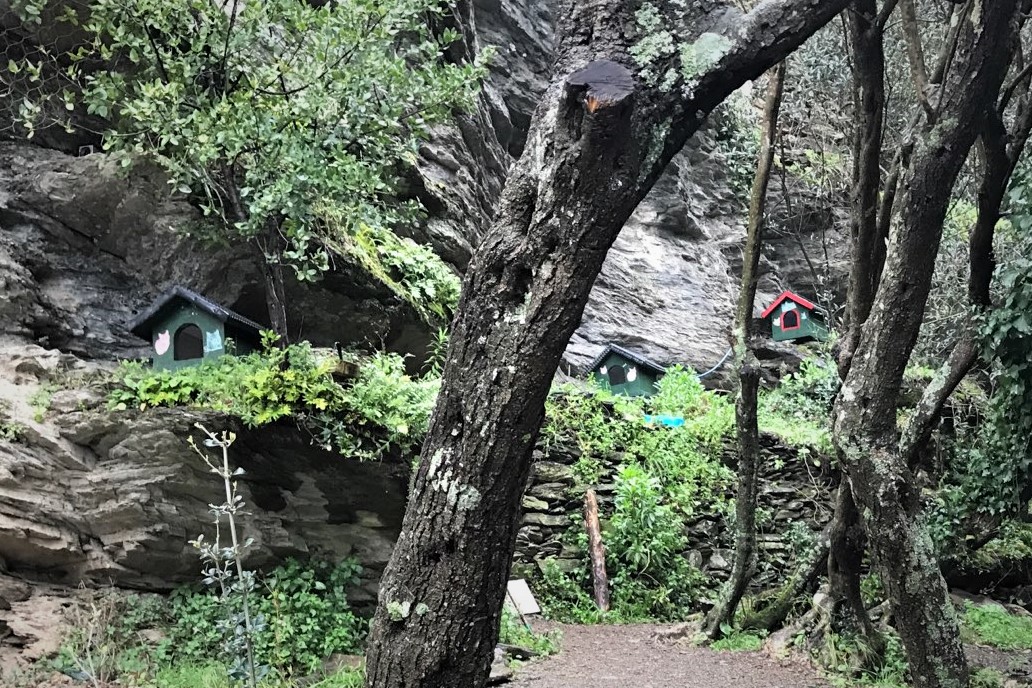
633,657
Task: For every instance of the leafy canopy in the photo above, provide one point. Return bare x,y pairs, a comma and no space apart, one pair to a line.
288,122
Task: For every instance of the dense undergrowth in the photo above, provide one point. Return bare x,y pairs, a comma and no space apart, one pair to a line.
382,407
308,634
664,477
182,640
989,625
661,477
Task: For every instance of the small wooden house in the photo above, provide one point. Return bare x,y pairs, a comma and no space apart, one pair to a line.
792,317
185,328
624,372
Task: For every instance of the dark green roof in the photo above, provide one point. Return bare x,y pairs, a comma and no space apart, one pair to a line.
629,355
141,326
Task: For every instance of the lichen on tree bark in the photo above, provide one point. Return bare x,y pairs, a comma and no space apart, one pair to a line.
584,170
880,477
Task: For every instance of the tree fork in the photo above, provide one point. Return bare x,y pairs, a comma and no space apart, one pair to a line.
864,423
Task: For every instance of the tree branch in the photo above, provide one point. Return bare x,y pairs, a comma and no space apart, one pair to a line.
886,12
915,55
1000,150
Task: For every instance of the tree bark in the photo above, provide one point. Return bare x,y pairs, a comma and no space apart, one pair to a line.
275,297
599,140
269,247
747,425
846,557
915,55
882,483
868,66
597,551
846,541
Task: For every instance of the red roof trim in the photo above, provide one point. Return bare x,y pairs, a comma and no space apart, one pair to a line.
788,295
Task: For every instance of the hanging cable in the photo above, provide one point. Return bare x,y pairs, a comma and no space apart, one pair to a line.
716,367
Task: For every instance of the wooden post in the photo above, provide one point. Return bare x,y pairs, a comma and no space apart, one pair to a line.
597,551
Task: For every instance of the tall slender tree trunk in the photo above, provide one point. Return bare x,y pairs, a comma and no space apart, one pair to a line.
269,245
276,299
868,66
882,483
747,426
599,140
847,543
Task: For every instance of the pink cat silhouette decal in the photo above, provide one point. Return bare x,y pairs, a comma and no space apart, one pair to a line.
162,342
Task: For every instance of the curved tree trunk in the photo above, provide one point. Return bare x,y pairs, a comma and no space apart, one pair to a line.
599,140
881,479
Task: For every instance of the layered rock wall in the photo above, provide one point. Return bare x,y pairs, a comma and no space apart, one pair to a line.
794,506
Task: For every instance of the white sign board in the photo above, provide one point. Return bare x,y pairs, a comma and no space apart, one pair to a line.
519,597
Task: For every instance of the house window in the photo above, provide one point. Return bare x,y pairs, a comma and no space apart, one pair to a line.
790,320
617,375
189,343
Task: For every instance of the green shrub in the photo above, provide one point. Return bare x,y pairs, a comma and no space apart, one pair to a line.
738,641
993,625
192,676
346,678
383,407
40,401
513,632
563,596
304,612
686,460
649,576
645,540
798,409
11,431
104,639
666,475
985,677
852,661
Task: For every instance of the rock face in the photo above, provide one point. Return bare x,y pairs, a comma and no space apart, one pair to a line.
116,498
83,250
670,282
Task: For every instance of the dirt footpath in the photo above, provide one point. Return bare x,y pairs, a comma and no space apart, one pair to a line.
632,657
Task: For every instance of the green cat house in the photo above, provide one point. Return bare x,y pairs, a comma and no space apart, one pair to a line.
625,372
184,328
793,318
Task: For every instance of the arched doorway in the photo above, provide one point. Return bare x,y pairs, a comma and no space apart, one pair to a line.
189,343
